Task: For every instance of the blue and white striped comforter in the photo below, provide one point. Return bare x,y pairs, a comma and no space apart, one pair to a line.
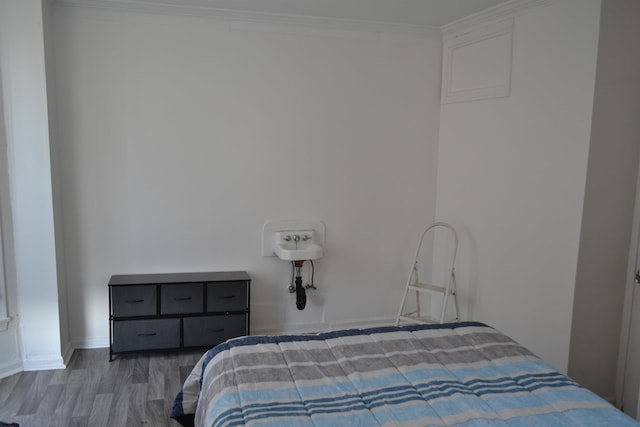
462,374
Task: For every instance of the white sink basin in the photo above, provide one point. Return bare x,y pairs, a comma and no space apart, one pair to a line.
296,246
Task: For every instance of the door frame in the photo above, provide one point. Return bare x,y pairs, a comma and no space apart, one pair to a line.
629,294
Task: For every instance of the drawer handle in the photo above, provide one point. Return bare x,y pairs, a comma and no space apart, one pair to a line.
182,298
216,330
150,334
226,296
133,301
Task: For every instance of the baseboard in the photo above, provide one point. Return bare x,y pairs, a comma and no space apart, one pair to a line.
67,353
43,363
86,343
36,364
10,368
372,322
308,328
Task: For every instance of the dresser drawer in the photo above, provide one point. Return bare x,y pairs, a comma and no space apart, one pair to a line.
146,334
212,330
226,296
181,298
128,301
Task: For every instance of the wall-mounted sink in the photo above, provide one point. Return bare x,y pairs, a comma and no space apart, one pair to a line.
297,245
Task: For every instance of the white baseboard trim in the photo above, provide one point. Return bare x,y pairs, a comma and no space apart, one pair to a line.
308,328
372,322
67,353
43,363
10,368
86,343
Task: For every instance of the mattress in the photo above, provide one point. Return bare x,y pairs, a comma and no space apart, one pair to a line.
459,374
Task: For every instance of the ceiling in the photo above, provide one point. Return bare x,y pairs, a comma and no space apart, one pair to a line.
432,13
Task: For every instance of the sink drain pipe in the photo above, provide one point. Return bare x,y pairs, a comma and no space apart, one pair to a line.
301,293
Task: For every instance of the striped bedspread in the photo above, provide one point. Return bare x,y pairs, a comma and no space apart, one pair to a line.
462,374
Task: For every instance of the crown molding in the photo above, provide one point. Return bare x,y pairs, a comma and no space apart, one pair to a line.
501,11
299,21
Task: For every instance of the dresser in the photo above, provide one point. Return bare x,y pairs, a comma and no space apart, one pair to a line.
177,310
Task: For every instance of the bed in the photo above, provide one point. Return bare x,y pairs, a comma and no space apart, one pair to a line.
462,374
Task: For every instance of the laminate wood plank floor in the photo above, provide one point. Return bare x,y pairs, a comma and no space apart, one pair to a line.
133,390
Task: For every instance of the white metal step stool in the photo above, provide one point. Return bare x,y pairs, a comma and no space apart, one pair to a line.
445,291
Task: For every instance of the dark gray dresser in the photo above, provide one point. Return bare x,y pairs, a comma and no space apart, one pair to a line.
177,310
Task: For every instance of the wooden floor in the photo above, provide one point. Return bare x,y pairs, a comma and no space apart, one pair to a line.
130,391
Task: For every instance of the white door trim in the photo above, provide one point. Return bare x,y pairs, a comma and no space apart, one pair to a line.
630,289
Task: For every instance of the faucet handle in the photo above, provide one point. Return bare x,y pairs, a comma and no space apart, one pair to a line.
287,238
306,237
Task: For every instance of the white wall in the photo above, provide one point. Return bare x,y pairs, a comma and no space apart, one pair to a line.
181,136
10,359
511,176
28,158
609,201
